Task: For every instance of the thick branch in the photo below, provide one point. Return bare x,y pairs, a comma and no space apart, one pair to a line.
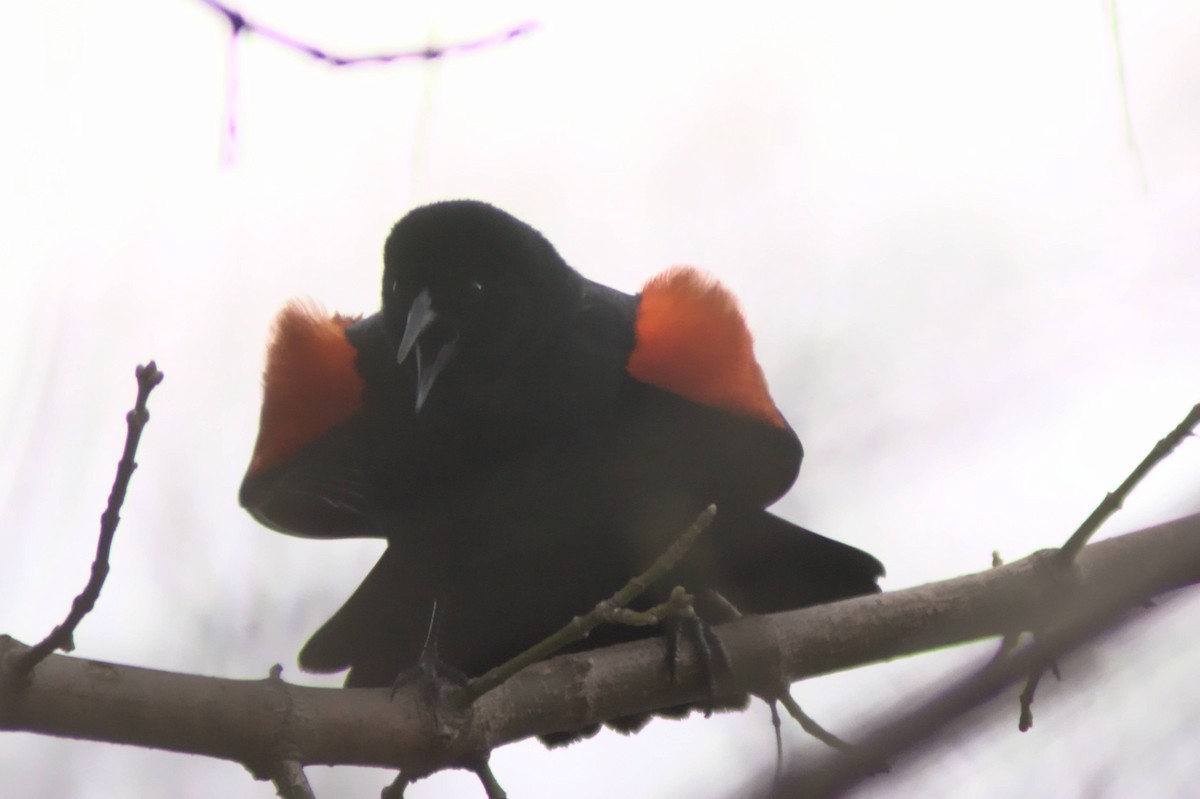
245,720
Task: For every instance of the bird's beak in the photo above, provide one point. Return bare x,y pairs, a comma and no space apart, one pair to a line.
420,316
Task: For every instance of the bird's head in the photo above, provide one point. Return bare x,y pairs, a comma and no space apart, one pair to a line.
465,282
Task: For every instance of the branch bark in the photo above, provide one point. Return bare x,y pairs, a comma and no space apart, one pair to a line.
253,721
1085,614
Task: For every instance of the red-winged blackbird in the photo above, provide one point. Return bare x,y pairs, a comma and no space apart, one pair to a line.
527,440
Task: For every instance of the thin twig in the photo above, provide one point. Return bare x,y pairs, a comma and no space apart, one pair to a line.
396,789
777,726
239,24
62,636
490,784
1113,501
1025,723
678,605
290,781
1008,645
1130,139
1085,621
580,626
1082,625
810,725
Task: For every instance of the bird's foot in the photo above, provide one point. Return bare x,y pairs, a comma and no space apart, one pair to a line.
441,684
713,657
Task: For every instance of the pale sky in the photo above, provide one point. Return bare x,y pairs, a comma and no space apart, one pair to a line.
966,303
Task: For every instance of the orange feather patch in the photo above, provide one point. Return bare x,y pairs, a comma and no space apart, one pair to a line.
310,383
692,340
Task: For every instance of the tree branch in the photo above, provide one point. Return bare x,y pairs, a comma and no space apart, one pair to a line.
1089,611
245,721
239,24
62,636
1113,501
605,611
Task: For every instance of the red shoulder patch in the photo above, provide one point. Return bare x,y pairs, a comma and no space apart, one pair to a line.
309,385
692,340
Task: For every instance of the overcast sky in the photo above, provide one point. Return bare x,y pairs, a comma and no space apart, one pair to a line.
975,302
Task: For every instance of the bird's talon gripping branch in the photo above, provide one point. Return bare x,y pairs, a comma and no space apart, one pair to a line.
710,651
442,686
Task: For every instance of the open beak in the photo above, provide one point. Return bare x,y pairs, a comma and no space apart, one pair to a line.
420,316
430,363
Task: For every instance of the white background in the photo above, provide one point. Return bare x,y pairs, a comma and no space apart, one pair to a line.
966,301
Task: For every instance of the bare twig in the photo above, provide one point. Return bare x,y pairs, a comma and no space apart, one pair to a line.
850,751
1113,501
397,788
481,769
1122,88
239,24
490,784
1008,645
290,781
1078,624
1087,615
1025,722
777,727
608,610
810,725
62,636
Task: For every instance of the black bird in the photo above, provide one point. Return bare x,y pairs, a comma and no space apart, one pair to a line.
527,440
